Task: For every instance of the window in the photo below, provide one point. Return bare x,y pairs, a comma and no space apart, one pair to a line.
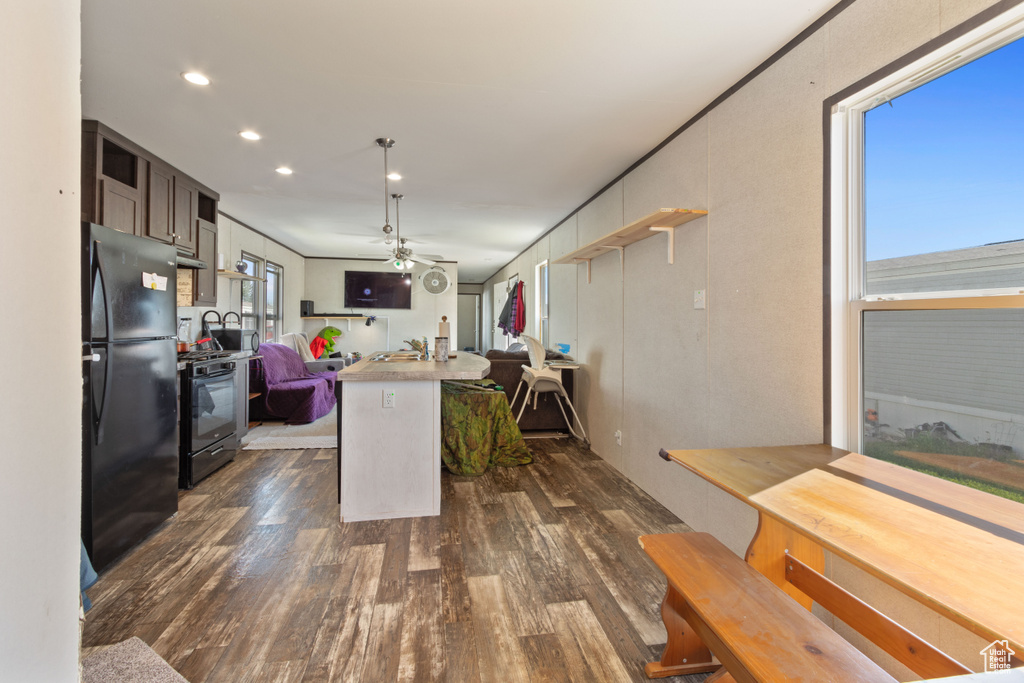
927,251
542,303
275,297
252,303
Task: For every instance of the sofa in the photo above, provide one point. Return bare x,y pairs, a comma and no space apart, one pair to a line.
507,369
287,389
299,342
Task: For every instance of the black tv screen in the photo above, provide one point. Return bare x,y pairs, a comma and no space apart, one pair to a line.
365,289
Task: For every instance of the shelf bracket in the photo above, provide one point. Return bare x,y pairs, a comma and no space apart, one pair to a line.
580,260
671,242
622,257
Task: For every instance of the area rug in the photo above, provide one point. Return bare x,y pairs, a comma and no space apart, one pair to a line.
131,661
322,433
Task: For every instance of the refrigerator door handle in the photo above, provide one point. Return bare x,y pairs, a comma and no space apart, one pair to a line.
91,356
108,375
100,270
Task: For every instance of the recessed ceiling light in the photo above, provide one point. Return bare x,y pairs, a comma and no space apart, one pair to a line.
394,176
284,170
196,78
250,135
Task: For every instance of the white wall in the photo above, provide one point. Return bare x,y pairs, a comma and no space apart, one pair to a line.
747,370
325,287
40,408
232,239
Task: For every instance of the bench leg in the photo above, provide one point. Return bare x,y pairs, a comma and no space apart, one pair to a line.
767,554
684,652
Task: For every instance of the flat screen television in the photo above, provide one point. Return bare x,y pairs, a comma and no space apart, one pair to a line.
364,289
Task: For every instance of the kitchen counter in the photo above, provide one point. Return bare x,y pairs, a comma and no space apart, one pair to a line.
461,366
389,434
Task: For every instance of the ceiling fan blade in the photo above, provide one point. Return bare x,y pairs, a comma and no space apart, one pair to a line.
420,259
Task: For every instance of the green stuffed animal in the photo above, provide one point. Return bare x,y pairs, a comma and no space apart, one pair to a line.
328,334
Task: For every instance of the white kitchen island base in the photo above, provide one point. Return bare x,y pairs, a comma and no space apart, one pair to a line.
389,459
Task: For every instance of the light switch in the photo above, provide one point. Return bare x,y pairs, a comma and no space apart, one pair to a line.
698,298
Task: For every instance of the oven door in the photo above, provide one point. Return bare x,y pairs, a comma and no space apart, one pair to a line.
213,404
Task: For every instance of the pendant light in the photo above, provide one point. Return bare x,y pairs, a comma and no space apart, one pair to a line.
386,143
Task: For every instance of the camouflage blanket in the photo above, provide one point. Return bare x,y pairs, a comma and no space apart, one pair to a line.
478,430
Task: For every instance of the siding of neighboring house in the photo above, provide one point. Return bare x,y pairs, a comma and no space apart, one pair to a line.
965,368
988,267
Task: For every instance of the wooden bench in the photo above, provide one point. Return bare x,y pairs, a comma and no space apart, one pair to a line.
954,550
717,603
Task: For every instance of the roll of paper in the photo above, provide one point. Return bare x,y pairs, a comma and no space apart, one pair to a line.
444,330
220,261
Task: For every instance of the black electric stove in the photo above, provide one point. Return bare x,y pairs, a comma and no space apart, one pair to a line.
207,439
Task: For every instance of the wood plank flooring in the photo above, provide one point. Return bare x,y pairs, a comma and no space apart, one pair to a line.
529,574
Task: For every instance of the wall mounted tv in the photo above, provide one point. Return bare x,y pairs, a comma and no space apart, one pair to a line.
364,289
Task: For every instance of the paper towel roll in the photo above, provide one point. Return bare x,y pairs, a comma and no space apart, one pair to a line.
220,261
444,328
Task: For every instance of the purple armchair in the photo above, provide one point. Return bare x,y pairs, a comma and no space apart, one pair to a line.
288,389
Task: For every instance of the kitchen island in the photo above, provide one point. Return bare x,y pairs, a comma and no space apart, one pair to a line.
389,434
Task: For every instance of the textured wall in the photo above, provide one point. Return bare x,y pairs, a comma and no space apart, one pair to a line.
40,412
325,286
748,369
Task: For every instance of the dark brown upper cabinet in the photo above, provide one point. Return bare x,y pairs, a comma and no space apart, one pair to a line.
161,203
205,280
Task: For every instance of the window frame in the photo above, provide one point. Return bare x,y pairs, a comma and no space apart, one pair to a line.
844,264
278,317
542,302
257,286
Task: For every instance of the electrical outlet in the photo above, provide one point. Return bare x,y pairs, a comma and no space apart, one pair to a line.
698,299
389,398
618,436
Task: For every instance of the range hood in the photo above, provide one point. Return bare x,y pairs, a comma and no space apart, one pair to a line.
186,262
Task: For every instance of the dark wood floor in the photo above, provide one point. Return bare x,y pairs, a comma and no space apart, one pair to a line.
530,573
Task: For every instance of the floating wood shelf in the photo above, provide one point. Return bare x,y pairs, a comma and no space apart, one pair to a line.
232,275
333,316
663,220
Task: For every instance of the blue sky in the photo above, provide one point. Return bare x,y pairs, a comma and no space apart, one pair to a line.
944,165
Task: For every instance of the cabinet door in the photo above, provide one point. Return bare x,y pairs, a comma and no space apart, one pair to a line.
185,213
161,203
206,280
120,207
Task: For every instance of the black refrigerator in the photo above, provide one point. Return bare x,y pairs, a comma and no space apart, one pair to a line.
129,411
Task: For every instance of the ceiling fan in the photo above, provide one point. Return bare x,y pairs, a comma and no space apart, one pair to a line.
401,256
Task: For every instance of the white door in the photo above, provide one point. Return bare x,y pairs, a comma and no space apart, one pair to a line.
469,322
498,338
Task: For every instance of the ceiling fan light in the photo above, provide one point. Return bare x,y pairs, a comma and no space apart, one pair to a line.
388,239
398,264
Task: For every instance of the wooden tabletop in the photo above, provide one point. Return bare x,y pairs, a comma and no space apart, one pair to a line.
462,366
955,549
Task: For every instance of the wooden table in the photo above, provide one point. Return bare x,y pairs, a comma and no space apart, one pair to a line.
954,549
389,458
